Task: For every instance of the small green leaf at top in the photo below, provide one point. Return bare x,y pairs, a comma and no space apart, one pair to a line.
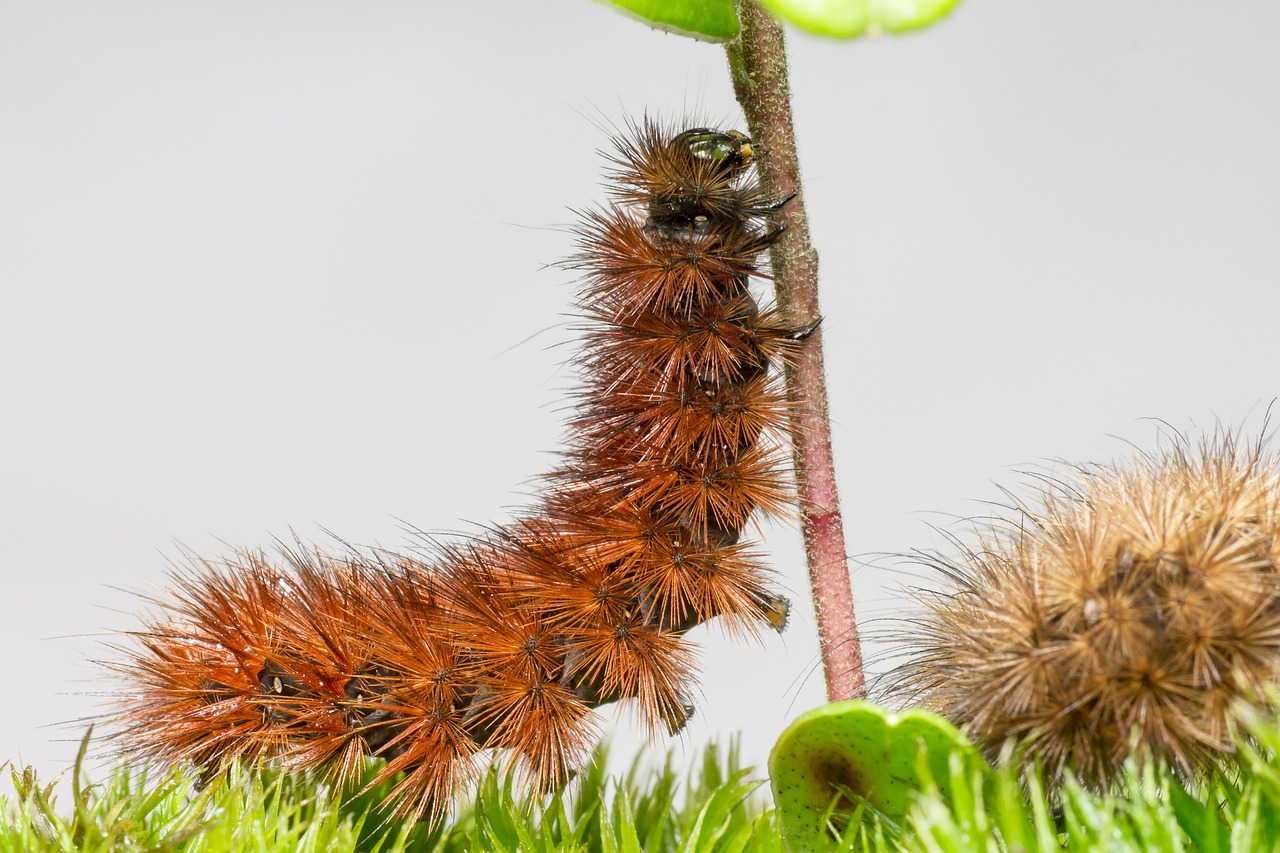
838,762
705,20
853,18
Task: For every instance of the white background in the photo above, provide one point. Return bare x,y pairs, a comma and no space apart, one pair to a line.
283,266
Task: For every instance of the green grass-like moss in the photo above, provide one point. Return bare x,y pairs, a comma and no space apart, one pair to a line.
715,806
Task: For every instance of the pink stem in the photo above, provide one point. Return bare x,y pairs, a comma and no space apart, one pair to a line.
758,63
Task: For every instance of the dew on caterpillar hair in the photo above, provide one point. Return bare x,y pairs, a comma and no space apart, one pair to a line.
508,641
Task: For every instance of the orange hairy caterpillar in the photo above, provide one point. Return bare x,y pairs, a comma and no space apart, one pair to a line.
1133,609
508,641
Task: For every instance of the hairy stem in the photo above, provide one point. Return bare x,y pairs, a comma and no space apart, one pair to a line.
758,64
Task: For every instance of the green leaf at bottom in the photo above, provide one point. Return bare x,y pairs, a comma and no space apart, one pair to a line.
858,756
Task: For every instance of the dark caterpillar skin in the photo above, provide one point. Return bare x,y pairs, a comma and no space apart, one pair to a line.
509,640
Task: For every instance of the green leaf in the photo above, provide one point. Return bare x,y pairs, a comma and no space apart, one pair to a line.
705,20
853,18
860,757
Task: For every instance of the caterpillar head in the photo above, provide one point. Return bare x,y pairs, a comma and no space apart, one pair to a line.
699,178
730,151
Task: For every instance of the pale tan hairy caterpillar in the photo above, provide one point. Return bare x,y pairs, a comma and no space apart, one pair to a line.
1128,610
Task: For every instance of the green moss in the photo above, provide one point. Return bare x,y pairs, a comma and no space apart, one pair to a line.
950,805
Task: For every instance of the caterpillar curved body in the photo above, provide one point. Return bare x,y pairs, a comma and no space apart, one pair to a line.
508,641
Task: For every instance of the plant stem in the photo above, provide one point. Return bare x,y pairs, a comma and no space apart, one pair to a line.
758,64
